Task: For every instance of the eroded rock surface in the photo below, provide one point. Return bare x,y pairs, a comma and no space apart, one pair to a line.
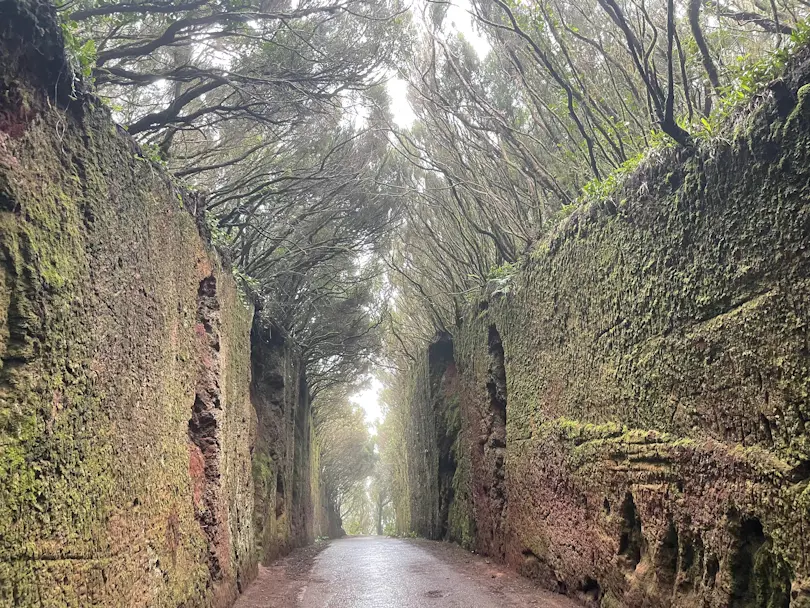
649,364
131,407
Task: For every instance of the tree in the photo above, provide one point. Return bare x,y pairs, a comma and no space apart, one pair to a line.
381,492
248,101
571,92
346,456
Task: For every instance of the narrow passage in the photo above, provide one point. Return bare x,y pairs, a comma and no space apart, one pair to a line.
377,572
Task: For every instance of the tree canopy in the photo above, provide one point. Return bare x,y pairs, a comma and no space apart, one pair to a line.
360,237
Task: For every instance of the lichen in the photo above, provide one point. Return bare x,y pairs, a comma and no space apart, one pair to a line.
656,348
99,269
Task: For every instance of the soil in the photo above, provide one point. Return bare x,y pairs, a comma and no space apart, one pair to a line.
280,584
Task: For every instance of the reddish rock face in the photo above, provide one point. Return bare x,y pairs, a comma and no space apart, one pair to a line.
196,471
633,411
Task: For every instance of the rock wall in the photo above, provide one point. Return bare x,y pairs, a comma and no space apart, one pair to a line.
132,397
634,402
433,442
282,460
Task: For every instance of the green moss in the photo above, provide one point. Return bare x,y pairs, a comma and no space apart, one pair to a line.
772,578
44,264
802,109
578,431
98,361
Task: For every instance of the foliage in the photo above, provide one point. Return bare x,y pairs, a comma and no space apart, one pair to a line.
81,53
347,458
249,101
565,104
748,74
500,277
393,452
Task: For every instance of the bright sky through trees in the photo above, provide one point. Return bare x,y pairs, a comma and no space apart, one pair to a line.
369,400
460,21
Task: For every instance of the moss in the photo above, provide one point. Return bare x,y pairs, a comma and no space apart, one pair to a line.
99,359
609,601
461,520
657,350
44,265
802,109
772,578
581,432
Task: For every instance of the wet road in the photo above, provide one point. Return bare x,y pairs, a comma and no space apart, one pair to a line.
375,572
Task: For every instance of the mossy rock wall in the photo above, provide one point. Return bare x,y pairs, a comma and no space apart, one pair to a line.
437,501
653,368
287,488
127,411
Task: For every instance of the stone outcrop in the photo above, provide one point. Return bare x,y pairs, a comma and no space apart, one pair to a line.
431,442
154,439
633,402
286,481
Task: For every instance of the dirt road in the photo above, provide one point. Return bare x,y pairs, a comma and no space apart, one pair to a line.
376,572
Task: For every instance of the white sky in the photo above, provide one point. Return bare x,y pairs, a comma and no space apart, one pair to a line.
400,107
457,21
460,20
369,400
